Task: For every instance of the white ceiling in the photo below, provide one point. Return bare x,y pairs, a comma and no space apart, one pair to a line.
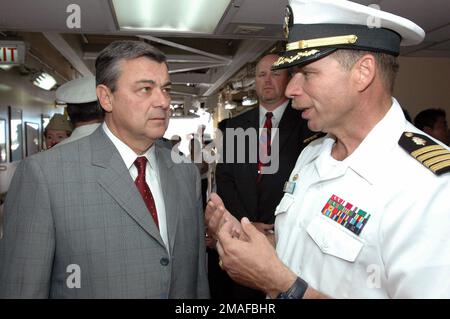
247,29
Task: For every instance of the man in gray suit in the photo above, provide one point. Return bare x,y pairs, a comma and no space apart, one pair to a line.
111,215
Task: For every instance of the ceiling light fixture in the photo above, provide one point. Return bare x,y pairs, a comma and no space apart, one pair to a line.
6,67
45,81
198,16
230,105
249,101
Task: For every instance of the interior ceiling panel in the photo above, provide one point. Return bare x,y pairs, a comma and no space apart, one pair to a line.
429,14
442,46
245,30
440,34
50,15
260,12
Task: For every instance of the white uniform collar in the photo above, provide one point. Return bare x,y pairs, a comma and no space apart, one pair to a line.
369,155
378,143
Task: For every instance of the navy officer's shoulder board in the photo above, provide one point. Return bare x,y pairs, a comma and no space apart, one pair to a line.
431,154
313,137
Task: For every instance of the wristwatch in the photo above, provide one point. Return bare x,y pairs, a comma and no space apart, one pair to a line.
296,291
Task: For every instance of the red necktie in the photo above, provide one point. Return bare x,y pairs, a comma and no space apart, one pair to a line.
141,184
265,141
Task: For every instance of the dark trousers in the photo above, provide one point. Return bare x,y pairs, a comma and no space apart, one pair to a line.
221,286
204,190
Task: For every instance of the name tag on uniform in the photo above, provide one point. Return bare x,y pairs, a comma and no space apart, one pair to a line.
289,187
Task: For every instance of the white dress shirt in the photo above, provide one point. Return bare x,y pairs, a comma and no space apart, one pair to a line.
403,251
277,114
151,177
276,118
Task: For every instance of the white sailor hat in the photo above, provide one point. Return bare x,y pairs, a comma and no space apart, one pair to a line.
81,90
317,28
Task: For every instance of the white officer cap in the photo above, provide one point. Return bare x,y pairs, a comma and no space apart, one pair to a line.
81,90
317,28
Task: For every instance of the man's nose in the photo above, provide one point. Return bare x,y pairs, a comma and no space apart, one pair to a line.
294,87
162,99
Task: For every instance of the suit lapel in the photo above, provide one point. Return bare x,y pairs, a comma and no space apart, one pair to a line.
117,182
170,192
289,120
253,122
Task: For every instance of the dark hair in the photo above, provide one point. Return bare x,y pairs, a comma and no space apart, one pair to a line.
107,63
84,112
428,117
387,64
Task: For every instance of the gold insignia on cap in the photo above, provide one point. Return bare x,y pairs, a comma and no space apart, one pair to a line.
321,42
409,134
284,59
288,21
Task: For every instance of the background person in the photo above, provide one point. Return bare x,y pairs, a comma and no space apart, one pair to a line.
84,112
433,122
57,130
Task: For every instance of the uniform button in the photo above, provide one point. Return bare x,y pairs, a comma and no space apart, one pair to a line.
164,261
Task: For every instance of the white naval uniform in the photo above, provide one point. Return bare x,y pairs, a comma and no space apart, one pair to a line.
404,249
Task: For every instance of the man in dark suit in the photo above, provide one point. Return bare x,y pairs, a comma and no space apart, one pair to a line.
96,218
244,190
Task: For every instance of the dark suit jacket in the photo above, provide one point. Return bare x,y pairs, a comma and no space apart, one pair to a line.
77,205
237,182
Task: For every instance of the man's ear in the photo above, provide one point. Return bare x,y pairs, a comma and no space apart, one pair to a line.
364,71
105,97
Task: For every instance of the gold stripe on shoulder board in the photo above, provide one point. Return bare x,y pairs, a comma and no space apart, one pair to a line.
440,165
425,149
436,160
429,155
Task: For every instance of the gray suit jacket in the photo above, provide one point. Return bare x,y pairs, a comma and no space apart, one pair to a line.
77,205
